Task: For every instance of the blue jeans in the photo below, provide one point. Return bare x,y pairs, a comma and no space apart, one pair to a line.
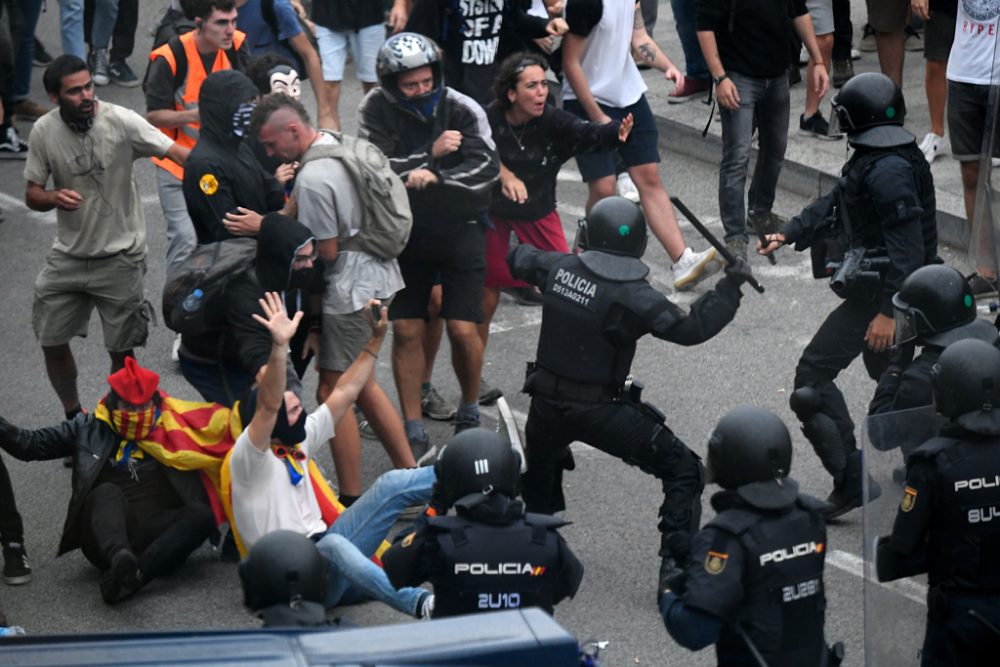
685,12
71,25
354,537
25,48
763,102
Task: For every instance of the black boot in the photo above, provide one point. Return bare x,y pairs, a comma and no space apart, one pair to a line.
675,555
847,491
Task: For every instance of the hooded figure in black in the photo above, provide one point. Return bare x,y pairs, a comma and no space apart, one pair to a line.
224,363
222,173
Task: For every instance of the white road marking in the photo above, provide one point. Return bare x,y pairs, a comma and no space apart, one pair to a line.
11,202
853,564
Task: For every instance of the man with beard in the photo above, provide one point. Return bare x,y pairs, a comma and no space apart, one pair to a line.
98,257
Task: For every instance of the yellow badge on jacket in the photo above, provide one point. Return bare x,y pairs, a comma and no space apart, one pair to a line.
715,562
208,184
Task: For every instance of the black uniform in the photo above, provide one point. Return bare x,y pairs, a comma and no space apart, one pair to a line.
486,558
760,573
596,306
888,197
948,525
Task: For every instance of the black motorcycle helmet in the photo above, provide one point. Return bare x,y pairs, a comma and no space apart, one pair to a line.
966,384
750,451
935,306
475,465
615,225
870,108
282,567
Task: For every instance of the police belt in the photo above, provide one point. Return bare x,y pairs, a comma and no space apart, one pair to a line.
550,385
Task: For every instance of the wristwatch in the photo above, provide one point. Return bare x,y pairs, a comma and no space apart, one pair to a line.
719,79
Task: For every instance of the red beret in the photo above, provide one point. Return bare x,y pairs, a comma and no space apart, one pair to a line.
134,384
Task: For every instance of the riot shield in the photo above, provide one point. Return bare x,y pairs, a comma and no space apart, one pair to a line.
509,432
984,248
895,612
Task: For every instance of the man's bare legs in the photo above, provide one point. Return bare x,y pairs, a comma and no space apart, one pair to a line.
60,365
890,54
331,91
659,211
825,43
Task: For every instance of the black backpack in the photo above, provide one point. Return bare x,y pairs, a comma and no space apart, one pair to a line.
208,270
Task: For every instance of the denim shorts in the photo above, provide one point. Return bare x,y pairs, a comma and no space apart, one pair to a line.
641,147
364,45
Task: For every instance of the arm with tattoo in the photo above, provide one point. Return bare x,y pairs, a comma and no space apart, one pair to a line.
644,49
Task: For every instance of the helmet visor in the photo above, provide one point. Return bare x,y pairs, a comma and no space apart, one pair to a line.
836,127
906,325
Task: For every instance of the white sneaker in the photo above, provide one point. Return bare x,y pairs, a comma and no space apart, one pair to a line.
932,146
426,607
693,267
175,350
626,188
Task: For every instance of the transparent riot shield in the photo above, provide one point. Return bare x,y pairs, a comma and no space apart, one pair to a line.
895,612
984,248
509,432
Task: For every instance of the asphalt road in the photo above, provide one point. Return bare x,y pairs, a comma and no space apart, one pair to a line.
613,507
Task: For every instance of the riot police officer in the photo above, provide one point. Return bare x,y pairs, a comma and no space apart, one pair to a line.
489,555
755,580
934,307
947,523
284,579
596,305
867,235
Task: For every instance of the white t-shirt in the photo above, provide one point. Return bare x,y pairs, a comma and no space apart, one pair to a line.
607,62
330,207
264,499
973,57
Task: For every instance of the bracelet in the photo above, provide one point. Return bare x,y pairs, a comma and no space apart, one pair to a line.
365,349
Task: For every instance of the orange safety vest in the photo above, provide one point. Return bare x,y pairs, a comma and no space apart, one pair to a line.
186,97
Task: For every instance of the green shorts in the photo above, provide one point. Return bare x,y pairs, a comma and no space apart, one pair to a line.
68,289
343,337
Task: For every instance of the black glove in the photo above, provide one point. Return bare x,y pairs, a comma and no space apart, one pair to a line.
739,272
678,544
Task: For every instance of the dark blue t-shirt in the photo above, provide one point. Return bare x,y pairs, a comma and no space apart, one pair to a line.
261,37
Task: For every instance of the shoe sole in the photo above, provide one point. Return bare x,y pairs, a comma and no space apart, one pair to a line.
101,81
686,98
702,270
428,458
490,397
134,83
17,580
438,416
821,137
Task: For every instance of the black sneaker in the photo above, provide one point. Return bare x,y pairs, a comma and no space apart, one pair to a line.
488,394
983,287
816,126
12,146
843,71
122,579
122,75
41,57
434,406
16,570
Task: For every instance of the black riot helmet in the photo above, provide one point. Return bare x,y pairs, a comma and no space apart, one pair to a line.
935,306
870,108
750,451
283,567
404,52
615,225
476,464
966,384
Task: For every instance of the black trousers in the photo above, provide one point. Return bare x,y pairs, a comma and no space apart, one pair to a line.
954,636
628,431
843,30
162,540
837,343
11,528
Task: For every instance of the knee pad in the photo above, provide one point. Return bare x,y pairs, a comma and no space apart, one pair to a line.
805,402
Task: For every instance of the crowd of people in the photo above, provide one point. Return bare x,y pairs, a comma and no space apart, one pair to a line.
291,245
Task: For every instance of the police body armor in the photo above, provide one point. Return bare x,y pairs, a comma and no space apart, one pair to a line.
964,539
783,599
574,342
487,567
861,227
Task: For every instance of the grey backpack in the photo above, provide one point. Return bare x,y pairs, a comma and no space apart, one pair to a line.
387,220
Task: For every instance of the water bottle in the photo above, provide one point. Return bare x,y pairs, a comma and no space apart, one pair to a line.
192,302
12,631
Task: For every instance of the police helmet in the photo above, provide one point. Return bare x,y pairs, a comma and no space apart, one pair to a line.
476,464
750,451
966,384
283,567
404,52
615,225
935,305
870,108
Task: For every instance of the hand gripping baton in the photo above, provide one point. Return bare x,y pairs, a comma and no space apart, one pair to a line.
710,237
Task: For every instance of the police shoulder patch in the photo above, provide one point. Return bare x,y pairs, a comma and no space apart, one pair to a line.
715,562
208,184
909,499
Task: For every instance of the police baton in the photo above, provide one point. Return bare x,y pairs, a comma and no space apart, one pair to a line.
710,237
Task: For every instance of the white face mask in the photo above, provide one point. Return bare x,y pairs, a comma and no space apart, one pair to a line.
286,81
